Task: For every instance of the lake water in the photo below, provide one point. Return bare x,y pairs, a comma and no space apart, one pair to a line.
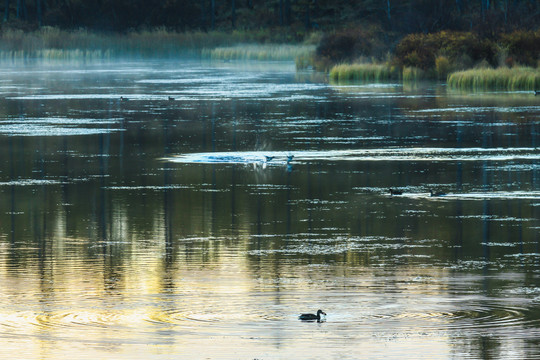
201,227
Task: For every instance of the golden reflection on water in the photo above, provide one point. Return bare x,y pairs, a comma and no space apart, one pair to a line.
151,309
148,307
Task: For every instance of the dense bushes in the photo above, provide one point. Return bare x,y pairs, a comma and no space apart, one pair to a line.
352,44
435,54
443,52
462,50
523,47
506,61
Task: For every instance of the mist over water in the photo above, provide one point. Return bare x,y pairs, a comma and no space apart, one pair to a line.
201,226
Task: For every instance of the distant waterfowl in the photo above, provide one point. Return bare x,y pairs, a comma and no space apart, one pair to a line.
395,192
312,317
437,193
123,98
171,98
268,158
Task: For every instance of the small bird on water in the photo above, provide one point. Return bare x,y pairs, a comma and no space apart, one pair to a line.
171,98
437,193
289,158
395,192
312,317
123,98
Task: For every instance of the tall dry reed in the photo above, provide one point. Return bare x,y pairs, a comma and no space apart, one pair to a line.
363,72
516,78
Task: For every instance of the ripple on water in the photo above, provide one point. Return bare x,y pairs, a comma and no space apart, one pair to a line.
421,193
72,319
57,127
455,315
149,187
388,154
351,244
513,321
30,182
482,109
208,316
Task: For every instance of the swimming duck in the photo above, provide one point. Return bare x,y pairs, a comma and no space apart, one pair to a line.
395,192
123,98
438,193
311,317
171,98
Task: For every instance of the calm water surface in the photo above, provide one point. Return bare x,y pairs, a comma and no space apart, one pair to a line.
201,227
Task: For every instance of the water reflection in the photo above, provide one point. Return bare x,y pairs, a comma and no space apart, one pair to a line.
148,227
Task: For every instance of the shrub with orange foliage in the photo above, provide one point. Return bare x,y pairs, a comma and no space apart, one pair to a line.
422,50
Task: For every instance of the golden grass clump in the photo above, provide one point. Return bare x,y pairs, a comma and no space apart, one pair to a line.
265,52
442,67
413,74
363,73
516,78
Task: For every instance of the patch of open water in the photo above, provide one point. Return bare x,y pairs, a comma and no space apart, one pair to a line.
200,227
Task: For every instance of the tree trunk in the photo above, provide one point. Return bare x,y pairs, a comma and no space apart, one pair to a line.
233,14
21,9
6,11
287,12
203,15
482,10
281,9
39,12
212,14
308,15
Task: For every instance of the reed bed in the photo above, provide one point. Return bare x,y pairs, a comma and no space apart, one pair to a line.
363,73
55,55
516,78
259,52
54,43
411,74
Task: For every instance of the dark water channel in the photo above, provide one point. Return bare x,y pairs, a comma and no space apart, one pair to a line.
200,227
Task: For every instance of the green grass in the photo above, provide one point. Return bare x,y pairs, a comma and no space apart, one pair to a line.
259,52
374,73
363,73
411,74
516,78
